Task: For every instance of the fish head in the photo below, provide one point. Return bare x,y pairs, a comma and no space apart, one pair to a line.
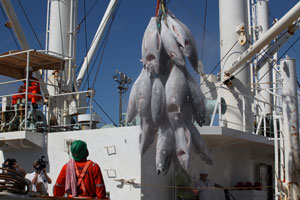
163,163
183,158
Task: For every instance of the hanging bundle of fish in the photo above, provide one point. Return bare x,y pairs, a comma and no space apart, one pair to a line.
166,96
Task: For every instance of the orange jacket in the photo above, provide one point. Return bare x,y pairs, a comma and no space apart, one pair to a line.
93,182
34,88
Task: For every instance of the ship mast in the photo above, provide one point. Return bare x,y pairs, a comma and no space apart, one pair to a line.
236,53
61,40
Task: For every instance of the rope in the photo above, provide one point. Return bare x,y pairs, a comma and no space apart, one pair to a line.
13,182
9,28
27,18
157,8
195,188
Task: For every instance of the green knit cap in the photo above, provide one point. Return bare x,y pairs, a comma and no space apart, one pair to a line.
78,149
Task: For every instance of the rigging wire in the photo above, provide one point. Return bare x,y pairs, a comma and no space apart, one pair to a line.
98,32
9,27
296,52
284,53
260,53
104,46
218,63
274,19
105,43
85,29
204,28
197,20
264,51
85,36
95,60
100,61
105,113
28,20
85,16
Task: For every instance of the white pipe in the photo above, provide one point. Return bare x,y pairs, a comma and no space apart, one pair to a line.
233,27
96,40
277,45
276,152
282,24
290,125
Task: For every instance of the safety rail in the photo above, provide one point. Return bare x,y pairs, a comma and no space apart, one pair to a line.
263,124
63,107
12,116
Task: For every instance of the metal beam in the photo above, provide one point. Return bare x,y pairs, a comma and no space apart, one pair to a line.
13,19
277,45
95,42
284,23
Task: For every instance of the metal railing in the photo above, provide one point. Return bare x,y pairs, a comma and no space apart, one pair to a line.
23,116
262,123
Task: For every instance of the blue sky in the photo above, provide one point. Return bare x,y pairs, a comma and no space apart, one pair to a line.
123,50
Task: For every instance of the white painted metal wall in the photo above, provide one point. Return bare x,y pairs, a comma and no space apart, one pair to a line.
116,150
233,42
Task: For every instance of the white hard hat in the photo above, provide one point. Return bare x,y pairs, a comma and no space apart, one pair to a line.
204,170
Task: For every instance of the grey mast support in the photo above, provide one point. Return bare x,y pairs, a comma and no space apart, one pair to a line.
290,126
11,14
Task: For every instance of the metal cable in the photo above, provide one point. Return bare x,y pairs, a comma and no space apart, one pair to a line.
282,56
27,18
105,43
9,28
203,36
218,63
196,18
85,16
85,36
100,27
95,60
100,61
264,51
105,113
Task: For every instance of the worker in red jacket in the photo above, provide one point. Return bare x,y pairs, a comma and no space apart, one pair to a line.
34,89
80,177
